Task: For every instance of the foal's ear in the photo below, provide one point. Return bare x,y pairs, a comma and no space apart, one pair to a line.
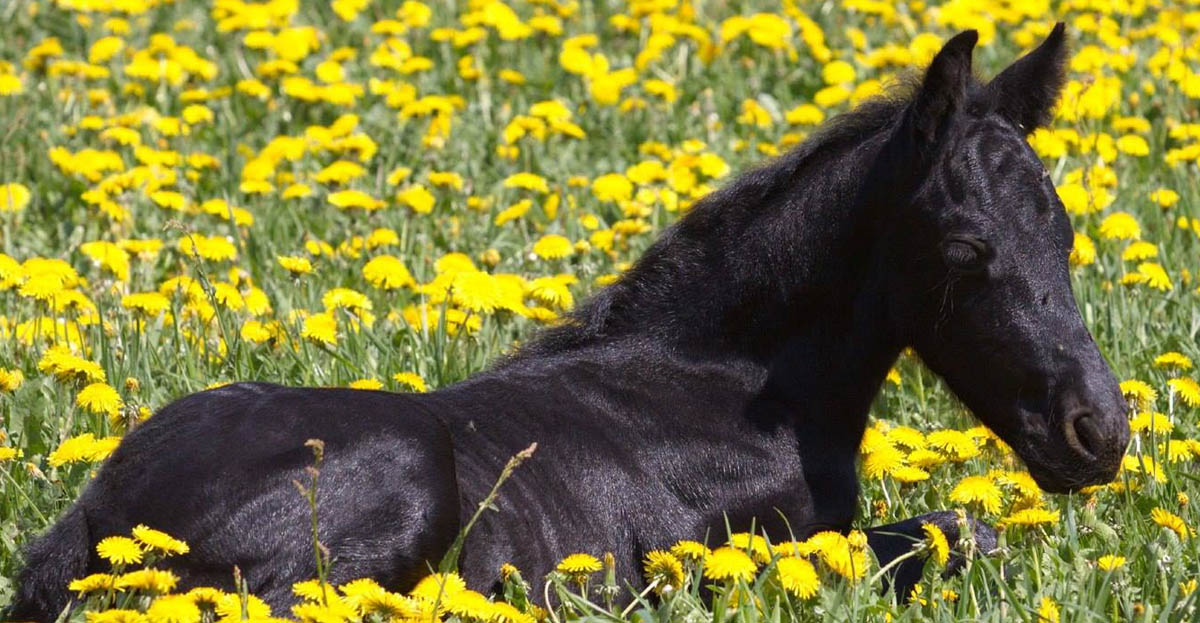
943,89
1026,91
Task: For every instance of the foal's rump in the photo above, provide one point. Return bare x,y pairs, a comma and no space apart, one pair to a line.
218,470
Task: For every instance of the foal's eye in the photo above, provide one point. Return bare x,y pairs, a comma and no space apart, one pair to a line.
965,254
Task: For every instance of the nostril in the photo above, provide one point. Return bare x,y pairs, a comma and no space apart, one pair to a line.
1079,428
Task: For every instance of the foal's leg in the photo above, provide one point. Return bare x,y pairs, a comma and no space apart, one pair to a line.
896,539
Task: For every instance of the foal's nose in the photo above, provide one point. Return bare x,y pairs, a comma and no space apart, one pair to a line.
1082,434
1096,430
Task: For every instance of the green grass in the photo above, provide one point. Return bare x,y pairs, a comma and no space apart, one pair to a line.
1133,324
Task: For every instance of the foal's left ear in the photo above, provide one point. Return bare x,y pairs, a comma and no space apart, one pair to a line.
1026,91
943,89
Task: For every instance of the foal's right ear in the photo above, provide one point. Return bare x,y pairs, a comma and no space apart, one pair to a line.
943,89
1025,93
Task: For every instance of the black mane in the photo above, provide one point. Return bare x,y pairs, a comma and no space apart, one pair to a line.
637,301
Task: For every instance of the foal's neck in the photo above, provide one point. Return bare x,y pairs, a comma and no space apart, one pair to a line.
784,253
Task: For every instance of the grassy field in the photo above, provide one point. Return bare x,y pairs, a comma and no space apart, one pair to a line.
390,195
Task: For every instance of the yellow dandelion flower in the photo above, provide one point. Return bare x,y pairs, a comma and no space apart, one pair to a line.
528,181
612,187
1154,275
727,564
754,114
159,541
883,459
1083,251
297,191
10,380
955,444
1173,359
839,553
119,550
1144,465
10,84
1149,420
1047,611
978,490
753,544
1133,145
690,550
1170,521
333,609
469,605
663,570
1187,389
418,198
41,287
1030,517
391,605
340,172
320,328
798,577
346,199
1139,392
151,580
1120,226
411,380
346,298
151,304
432,586
387,272
805,114
94,582
906,436
13,197
1110,562
1139,250
907,474
295,265
1024,484
99,398
1164,197
553,247
173,609
579,565
115,616
312,590
84,448
925,459
230,608
936,541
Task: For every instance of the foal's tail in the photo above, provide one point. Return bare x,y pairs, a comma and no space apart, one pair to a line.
52,561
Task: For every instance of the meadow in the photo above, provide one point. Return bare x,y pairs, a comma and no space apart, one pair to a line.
390,195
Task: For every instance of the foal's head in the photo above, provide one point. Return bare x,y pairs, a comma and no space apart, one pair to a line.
981,282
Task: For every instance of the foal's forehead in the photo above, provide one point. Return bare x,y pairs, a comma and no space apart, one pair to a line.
992,145
998,163
999,179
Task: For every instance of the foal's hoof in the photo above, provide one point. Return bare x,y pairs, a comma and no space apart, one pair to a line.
983,541
894,540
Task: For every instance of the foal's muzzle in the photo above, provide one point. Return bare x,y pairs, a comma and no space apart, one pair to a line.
1093,433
